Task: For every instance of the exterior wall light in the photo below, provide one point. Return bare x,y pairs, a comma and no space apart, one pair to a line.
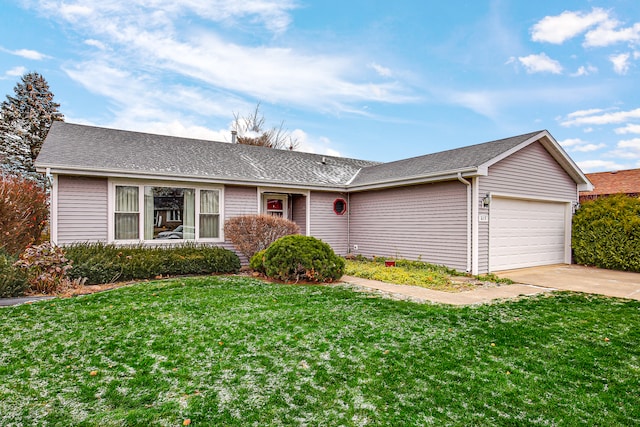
486,200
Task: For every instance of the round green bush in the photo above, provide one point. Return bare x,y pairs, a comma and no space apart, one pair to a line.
301,258
606,233
257,261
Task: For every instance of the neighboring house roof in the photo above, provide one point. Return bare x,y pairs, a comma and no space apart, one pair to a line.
79,149
614,182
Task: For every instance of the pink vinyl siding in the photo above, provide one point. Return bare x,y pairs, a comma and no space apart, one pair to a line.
531,173
82,209
426,222
240,201
325,224
299,212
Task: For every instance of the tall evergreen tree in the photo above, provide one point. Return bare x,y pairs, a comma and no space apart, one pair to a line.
25,119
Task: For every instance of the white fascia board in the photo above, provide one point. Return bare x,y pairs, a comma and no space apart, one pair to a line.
422,179
105,173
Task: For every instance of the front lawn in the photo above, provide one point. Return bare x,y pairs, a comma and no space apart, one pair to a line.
239,351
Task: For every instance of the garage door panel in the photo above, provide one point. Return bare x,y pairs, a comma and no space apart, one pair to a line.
526,233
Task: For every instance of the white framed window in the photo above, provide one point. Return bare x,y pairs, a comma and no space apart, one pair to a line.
165,213
209,214
126,213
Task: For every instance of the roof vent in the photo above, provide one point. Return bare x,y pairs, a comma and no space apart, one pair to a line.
234,136
324,160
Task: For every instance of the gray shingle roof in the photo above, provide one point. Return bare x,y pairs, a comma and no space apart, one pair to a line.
439,163
101,150
71,146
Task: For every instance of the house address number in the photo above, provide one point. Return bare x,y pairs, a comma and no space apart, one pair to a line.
484,218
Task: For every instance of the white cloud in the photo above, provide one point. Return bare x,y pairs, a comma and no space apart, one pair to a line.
95,43
15,72
482,102
599,27
73,12
581,113
382,71
631,128
321,145
620,63
30,54
26,53
601,119
141,103
274,15
571,142
558,29
606,34
578,145
599,165
627,149
148,43
630,143
540,63
585,71
589,147
178,128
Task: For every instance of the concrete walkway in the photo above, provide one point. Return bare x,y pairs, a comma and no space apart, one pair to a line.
578,278
478,296
6,302
528,281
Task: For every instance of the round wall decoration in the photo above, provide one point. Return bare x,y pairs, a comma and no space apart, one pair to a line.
340,206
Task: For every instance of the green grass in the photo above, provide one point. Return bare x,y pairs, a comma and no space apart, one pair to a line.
415,273
228,351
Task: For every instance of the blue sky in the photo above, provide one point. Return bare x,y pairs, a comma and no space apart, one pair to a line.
376,80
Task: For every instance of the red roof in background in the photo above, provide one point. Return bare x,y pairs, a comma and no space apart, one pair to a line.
625,181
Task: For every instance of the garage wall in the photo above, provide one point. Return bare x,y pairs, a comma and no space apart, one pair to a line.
426,222
532,173
82,209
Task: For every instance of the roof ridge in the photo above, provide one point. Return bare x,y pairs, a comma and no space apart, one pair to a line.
228,143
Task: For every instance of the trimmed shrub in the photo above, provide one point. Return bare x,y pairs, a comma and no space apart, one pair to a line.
606,233
253,233
23,213
101,263
13,280
257,261
46,268
296,258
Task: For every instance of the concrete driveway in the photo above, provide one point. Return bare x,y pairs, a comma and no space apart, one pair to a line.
579,278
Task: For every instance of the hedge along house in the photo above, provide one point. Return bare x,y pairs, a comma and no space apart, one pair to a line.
494,206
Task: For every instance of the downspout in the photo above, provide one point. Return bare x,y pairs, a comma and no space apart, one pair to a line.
468,184
53,207
348,223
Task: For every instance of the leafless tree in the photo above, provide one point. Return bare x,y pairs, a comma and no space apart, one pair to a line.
251,131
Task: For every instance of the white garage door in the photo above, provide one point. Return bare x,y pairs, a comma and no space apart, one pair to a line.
525,233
